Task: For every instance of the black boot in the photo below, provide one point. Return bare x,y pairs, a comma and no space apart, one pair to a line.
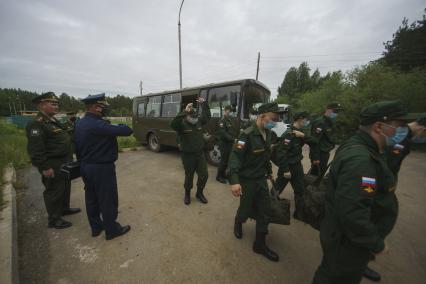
260,247
298,212
187,198
220,177
200,196
372,274
238,229
59,224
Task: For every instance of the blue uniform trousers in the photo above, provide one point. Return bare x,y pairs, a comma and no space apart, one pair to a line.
101,196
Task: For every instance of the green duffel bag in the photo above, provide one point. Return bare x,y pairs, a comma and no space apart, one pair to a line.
280,208
314,202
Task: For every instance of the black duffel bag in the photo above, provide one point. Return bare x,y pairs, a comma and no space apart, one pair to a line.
280,208
71,170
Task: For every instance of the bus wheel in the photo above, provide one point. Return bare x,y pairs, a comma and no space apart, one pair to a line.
154,143
213,155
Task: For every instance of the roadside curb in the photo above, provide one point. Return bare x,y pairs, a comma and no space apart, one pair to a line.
8,230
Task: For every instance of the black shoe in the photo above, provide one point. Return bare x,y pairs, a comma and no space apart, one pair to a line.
123,230
96,233
372,274
200,196
260,247
221,180
187,198
59,224
238,229
70,211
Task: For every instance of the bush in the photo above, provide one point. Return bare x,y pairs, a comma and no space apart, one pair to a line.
13,146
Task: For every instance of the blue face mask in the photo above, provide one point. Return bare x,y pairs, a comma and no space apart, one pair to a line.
332,116
306,123
419,140
270,124
400,134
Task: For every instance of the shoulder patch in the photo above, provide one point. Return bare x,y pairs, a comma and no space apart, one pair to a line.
286,141
240,145
318,129
368,185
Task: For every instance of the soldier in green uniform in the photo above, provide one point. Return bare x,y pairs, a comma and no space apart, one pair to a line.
322,129
188,127
249,167
396,152
49,146
227,133
289,159
360,203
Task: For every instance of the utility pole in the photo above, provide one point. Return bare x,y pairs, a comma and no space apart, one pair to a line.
258,61
140,87
180,48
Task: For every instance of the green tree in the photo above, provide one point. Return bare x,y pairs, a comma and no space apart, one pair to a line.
407,49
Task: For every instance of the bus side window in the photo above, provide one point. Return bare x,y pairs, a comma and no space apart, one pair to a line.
141,109
153,107
171,104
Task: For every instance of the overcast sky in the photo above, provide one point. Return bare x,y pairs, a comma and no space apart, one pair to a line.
91,46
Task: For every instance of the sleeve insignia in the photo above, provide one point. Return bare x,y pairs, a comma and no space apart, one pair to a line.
240,145
368,185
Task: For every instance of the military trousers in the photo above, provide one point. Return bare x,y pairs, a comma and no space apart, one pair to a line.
324,157
255,202
296,180
101,196
194,163
57,190
225,152
342,263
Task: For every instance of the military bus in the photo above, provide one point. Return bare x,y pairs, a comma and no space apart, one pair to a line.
152,113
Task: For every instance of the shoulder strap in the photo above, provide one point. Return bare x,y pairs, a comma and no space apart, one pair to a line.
248,130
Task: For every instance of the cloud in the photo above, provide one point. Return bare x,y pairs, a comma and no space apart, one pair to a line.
83,47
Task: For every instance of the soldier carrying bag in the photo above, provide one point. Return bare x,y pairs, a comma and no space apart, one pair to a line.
71,170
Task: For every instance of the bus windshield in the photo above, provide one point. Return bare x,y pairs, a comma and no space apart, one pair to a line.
254,96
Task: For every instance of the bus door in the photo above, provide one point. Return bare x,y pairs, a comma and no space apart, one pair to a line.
139,105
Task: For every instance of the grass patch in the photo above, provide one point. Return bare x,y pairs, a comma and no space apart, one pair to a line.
127,142
13,148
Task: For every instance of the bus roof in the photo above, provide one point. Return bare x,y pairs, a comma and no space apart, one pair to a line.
209,86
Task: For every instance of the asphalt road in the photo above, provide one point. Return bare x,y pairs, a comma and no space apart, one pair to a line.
173,243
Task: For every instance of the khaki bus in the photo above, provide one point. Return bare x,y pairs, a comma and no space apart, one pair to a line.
152,113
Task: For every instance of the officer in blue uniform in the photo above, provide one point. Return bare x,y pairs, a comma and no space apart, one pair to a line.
97,150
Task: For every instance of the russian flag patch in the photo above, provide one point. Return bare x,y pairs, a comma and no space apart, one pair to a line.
368,182
240,144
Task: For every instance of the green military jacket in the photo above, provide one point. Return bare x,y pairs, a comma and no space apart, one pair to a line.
322,129
227,131
361,207
289,148
190,136
48,139
250,156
